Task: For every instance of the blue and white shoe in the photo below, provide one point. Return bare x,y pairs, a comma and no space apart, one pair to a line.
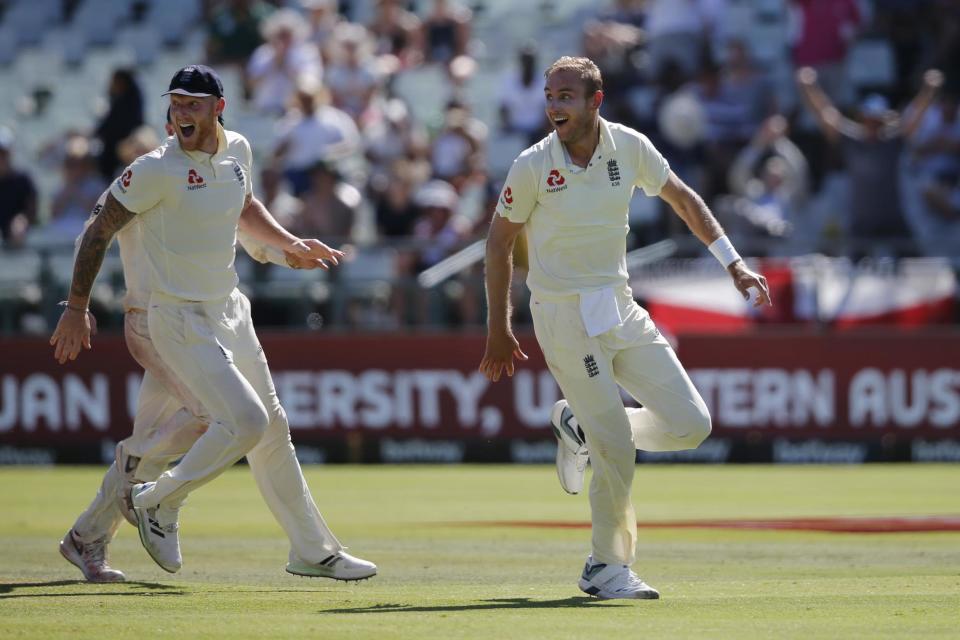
159,530
572,453
614,581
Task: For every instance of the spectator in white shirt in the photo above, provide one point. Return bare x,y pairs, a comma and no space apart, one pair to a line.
311,132
275,67
521,98
352,78
458,149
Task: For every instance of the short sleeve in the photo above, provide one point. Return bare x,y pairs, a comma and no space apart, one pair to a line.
140,186
652,168
519,194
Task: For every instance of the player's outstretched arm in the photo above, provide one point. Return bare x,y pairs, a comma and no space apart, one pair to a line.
260,225
502,347
691,208
73,329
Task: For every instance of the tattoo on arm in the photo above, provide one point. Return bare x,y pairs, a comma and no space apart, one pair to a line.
113,217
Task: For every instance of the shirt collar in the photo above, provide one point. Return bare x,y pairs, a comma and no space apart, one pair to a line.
200,156
559,156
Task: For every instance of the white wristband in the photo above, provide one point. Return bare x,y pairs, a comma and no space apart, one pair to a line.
723,250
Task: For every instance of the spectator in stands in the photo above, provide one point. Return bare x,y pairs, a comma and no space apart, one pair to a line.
399,34
942,231
631,12
285,58
677,30
871,147
614,47
438,232
18,196
930,178
80,191
822,32
769,201
330,205
447,31
438,227
324,21
935,147
352,76
312,131
747,85
233,32
143,140
730,122
393,137
395,210
458,149
521,98
124,115
276,197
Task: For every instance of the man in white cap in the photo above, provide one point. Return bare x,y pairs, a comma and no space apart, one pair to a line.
190,196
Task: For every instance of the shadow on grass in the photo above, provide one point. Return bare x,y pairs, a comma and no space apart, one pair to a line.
143,589
484,605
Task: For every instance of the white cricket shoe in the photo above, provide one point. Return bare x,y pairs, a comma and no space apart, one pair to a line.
90,558
572,453
127,466
159,530
614,581
339,566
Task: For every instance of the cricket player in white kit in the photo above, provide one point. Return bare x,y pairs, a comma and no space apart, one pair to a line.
569,194
168,419
190,197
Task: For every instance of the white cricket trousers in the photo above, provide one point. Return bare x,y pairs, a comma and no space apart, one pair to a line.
636,357
168,420
213,349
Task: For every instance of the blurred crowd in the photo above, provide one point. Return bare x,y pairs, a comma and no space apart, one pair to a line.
845,142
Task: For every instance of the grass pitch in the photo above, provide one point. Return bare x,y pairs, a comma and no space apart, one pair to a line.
441,578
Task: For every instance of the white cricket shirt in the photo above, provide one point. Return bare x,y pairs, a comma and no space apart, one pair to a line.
136,269
576,217
189,204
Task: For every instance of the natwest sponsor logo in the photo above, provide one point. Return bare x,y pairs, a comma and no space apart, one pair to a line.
123,182
506,198
195,181
555,181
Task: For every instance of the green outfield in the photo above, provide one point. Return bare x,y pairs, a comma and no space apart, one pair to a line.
441,577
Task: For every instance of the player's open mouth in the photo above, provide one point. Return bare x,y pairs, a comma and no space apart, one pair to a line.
559,121
186,130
